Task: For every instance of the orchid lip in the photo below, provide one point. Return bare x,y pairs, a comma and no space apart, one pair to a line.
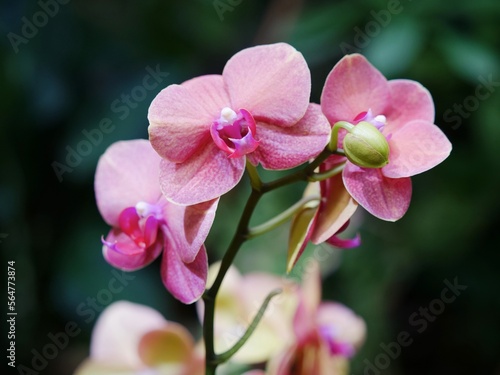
234,133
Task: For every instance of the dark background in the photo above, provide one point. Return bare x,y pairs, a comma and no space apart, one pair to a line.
64,77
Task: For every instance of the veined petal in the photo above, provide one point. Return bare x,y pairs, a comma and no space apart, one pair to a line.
205,176
189,226
210,92
180,117
409,101
336,208
415,148
126,173
284,148
118,331
123,253
386,198
186,281
352,87
272,82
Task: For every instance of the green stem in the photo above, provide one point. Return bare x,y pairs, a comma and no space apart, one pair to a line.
212,360
223,357
280,218
301,175
210,294
327,174
335,133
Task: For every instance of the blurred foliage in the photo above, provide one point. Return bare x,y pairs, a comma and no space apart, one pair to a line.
65,79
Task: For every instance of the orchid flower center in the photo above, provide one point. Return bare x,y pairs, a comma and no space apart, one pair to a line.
379,121
234,133
140,223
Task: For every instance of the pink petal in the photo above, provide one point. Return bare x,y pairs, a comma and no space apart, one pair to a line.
191,225
284,148
415,148
349,327
186,281
304,322
409,101
118,331
207,175
180,116
129,256
272,82
352,87
343,243
126,174
336,208
386,198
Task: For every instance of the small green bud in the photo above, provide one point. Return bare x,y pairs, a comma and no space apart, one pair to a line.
366,146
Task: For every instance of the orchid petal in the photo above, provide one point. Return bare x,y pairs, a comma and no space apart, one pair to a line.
386,198
272,82
284,148
118,332
180,117
304,320
127,255
352,87
336,208
342,243
126,173
415,148
171,345
205,176
190,226
300,232
349,328
90,367
186,281
409,101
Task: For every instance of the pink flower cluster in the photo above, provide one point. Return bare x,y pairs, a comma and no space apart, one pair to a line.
161,196
299,335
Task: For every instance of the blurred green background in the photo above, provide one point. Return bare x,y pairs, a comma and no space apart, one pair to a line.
68,74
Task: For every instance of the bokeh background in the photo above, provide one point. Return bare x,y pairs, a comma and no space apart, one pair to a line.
69,75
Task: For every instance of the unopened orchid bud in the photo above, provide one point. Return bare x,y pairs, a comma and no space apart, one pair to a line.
366,146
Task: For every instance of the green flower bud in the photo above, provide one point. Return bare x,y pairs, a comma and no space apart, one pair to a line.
366,146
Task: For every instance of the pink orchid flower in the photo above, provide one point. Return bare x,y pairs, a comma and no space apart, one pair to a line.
327,334
403,111
144,223
131,339
206,128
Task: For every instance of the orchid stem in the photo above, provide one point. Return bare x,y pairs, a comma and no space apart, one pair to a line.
280,218
243,233
315,177
334,135
223,357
